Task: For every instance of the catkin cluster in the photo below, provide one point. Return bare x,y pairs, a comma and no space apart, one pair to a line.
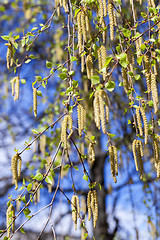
137,149
147,72
99,109
156,155
16,168
154,92
92,204
113,161
15,87
138,111
91,152
66,121
101,60
10,54
36,192
89,66
35,101
75,209
111,19
10,215
81,118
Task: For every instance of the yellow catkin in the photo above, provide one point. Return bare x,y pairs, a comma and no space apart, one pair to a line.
139,121
103,32
94,207
83,25
103,56
148,81
115,19
82,63
58,7
75,209
100,13
105,8
9,55
12,85
138,50
125,79
43,144
16,95
35,101
89,204
96,109
155,64
81,118
106,105
115,159
89,66
83,205
91,152
145,125
147,63
153,4
156,155
154,92
14,163
18,204
10,214
66,121
130,59
137,149
134,154
102,112
139,156
36,193
112,161
65,6
99,59
111,19
79,32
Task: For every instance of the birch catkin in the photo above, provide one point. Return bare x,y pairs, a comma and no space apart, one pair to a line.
139,121
66,121
91,152
10,215
75,209
81,118
92,204
9,55
35,101
79,32
16,162
137,149
154,92
111,19
113,161
145,125
89,66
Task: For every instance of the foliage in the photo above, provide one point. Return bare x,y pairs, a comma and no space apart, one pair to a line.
94,79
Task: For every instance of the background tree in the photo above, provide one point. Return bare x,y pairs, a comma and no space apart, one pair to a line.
84,77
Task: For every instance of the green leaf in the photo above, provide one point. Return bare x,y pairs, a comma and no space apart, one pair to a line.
110,85
85,177
76,12
38,177
95,79
143,47
63,76
29,187
150,103
22,230
139,60
5,37
23,81
73,59
49,179
122,59
111,135
32,56
71,73
126,32
66,167
5,238
137,77
49,64
38,78
26,211
108,60
39,93
158,122
75,167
